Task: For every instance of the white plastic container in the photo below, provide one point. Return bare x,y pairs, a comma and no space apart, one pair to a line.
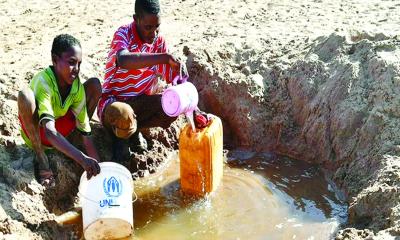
106,201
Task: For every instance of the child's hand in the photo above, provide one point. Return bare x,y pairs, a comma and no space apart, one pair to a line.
91,166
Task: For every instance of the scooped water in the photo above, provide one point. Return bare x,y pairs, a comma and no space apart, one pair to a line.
261,197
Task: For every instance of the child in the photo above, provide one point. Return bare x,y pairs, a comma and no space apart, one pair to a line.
54,104
138,55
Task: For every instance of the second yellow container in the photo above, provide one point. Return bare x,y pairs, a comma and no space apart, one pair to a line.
201,158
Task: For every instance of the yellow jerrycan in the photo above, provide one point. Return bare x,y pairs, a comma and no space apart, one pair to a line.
201,158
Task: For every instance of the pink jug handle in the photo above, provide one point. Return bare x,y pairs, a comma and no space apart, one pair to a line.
179,80
183,75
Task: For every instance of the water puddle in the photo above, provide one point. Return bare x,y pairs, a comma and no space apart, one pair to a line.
261,197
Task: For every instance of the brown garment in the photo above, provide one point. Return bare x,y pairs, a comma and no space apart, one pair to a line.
144,111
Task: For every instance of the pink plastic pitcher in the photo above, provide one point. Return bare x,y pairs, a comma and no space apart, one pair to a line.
180,99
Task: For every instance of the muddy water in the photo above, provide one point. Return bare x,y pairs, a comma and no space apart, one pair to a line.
262,196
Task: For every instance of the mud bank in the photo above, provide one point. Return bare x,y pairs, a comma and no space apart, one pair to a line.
336,103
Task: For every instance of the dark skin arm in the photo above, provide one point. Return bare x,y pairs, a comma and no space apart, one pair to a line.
128,60
89,147
88,163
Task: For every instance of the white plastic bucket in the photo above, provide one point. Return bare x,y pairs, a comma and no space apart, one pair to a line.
180,99
106,201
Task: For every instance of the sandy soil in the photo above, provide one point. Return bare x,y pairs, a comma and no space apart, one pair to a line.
227,36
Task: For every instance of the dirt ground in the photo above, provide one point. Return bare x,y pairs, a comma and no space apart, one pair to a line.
314,80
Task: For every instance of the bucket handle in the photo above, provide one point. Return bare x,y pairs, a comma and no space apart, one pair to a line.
93,201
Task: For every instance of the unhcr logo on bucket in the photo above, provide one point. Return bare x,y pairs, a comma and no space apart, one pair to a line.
112,187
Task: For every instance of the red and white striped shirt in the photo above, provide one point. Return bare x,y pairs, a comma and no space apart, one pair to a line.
123,83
